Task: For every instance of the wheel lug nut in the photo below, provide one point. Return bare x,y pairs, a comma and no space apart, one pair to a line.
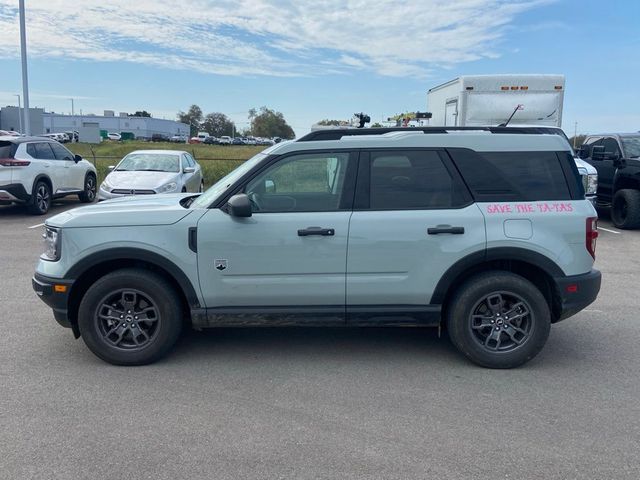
121,316
136,317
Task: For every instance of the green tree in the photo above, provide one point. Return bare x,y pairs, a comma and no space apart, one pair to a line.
192,117
217,124
140,113
269,123
332,123
577,141
376,125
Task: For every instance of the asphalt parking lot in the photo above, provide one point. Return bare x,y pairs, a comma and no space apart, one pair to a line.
319,403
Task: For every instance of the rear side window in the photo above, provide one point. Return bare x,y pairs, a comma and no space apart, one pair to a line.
40,150
514,176
412,179
6,150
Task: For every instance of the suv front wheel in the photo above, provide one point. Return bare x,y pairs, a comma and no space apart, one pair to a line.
498,320
88,195
130,317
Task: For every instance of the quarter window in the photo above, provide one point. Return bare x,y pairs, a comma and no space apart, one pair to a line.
409,180
301,183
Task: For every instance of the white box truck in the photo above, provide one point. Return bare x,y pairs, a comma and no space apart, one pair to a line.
489,100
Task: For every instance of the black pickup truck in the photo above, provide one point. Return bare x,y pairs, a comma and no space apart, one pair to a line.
616,157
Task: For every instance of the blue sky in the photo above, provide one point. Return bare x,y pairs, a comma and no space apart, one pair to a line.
314,59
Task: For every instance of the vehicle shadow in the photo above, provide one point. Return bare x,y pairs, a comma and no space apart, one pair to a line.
58,206
320,343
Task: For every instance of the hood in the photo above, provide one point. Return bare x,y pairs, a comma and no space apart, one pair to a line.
144,210
581,164
140,180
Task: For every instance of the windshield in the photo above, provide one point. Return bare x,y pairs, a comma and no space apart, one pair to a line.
631,146
149,162
218,188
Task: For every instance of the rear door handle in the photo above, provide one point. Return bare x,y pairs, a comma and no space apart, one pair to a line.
445,229
325,232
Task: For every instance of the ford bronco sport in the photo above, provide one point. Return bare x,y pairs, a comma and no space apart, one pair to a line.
482,231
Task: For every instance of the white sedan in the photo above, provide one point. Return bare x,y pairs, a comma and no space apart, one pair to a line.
149,172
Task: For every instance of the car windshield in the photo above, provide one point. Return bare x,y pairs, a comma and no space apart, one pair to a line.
218,188
149,162
631,146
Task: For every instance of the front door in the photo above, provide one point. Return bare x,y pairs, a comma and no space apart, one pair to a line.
72,174
291,253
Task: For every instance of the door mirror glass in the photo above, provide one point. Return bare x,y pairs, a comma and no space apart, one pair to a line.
77,158
189,170
269,186
239,206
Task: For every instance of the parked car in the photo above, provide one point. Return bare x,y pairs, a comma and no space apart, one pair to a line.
486,233
73,136
179,138
159,137
149,172
616,157
224,140
237,141
114,136
211,141
36,170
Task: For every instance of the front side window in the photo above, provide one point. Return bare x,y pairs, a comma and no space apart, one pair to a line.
60,152
611,146
409,180
631,146
301,183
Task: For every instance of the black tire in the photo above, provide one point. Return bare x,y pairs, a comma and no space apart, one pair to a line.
88,195
625,209
479,329
110,323
184,190
40,198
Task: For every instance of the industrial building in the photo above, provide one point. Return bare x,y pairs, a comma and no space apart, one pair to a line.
129,127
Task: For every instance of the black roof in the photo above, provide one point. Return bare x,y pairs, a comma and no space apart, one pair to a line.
338,133
12,139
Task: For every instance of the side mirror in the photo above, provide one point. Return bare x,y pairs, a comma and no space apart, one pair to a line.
269,186
597,152
110,168
239,206
77,158
189,170
584,152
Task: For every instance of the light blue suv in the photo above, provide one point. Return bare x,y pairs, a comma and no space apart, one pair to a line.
484,232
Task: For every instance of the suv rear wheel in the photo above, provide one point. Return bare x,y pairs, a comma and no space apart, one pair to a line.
625,209
88,195
498,320
40,199
130,317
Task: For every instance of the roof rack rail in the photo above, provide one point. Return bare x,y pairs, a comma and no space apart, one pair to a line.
338,133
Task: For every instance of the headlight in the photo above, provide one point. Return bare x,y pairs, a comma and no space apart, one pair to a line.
169,187
592,184
51,237
106,185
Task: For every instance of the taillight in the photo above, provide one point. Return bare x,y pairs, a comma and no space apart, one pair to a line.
13,162
591,235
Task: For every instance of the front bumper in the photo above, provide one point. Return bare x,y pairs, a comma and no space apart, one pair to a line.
576,292
14,192
55,293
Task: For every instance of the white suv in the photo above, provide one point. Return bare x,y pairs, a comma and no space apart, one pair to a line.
35,170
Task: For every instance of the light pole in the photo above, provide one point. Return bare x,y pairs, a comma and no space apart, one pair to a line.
25,81
72,110
19,114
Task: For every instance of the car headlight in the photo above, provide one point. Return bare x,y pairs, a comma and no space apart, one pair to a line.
592,184
105,185
169,187
51,237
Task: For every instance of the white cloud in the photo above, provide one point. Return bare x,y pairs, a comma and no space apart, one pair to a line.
261,37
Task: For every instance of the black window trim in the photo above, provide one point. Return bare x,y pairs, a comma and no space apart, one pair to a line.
350,178
34,143
363,185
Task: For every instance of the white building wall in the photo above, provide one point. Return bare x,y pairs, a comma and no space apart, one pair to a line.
139,126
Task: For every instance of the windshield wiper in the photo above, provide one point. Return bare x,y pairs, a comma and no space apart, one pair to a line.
150,170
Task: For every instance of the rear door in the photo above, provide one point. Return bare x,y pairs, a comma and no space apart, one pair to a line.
46,163
413,219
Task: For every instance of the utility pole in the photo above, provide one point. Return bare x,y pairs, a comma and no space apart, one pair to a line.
19,114
72,110
25,81
575,134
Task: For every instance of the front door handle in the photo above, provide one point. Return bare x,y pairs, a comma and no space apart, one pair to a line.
325,232
445,229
